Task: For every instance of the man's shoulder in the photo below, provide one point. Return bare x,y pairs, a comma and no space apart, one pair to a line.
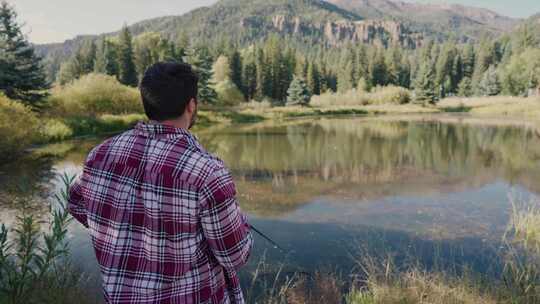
201,164
109,144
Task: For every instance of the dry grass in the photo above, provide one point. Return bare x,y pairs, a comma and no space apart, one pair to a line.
525,225
415,287
494,106
380,95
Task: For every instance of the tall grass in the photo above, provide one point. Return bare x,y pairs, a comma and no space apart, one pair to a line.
34,265
381,281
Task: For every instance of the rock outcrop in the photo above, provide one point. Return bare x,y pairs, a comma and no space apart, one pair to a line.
379,32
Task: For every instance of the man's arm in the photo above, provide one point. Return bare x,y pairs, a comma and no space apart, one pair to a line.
225,227
76,204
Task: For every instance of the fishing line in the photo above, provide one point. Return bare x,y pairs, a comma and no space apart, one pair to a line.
276,245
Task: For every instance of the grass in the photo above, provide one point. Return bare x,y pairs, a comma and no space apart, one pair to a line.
517,107
35,268
380,281
34,265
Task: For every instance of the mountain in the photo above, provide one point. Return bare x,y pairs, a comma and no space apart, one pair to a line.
306,22
437,20
310,22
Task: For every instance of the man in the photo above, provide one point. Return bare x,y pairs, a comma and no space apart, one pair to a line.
161,211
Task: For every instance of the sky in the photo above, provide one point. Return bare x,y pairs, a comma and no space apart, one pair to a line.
58,20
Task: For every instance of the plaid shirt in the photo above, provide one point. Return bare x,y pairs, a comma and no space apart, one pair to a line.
163,218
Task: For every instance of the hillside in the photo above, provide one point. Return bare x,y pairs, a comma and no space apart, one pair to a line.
312,22
308,22
437,20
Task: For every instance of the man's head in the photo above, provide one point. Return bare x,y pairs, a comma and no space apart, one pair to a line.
169,92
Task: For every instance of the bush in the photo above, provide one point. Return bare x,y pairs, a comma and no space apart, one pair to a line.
93,95
228,93
379,95
103,124
55,130
390,94
18,128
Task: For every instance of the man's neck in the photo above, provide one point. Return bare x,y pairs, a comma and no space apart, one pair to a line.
180,123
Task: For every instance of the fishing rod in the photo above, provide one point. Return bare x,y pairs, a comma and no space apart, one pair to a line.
268,239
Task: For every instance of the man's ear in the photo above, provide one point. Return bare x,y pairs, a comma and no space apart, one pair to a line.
192,106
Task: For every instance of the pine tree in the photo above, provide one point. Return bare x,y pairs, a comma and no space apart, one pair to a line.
448,70
235,62
263,76
362,62
202,62
298,92
88,57
425,84
249,79
126,65
23,77
468,61
465,87
71,70
378,69
314,79
489,85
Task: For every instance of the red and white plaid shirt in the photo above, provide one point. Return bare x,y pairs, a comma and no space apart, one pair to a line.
163,217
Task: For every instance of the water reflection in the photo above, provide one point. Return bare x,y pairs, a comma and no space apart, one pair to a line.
325,187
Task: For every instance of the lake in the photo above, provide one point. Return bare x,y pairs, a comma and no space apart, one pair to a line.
439,189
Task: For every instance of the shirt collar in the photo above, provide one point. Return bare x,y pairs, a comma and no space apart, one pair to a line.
154,129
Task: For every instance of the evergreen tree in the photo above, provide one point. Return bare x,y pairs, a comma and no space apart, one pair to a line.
393,65
263,76
71,70
166,51
235,62
249,79
345,78
126,65
362,61
88,57
465,88
346,73
298,92
22,74
489,85
485,57
202,62
378,69
468,61
314,79
425,84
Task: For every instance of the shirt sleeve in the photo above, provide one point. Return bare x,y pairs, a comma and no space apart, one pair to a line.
76,204
76,201
224,225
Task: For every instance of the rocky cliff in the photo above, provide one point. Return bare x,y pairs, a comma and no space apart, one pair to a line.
380,32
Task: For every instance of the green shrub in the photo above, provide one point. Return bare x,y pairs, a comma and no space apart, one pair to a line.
390,94
228,93
94,95
55,130
103,124
18,128
379,95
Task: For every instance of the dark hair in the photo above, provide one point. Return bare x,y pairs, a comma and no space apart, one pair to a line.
166,89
